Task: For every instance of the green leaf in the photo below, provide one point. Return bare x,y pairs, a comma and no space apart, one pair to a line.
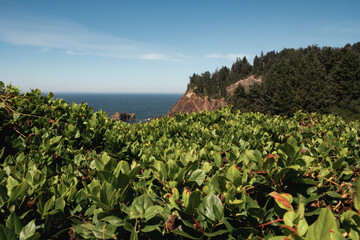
256,212
49,205
13,223
218,159
198,176
104,231
60,204
329,138
194,202
19,191
289,218
10,184
152,211
218,182
212,208
302,226
77,135
216,233
172,169
320,229
234,175
85,230
139,206
150,228
55,139
254,156
333,194
28,231
2,152
107,193
279,238
357,195
105,158
116,221
6,233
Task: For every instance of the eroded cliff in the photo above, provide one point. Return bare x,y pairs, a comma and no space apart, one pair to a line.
190,102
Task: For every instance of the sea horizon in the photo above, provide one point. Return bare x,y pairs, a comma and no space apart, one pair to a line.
144,105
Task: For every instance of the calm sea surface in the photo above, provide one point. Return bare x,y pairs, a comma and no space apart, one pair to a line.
143,105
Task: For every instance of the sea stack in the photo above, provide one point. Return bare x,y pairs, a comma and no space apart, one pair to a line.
124,117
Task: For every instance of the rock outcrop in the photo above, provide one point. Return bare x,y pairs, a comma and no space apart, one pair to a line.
246,83
190,102
125,117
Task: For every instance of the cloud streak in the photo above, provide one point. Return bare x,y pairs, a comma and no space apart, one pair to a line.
74,39
152,56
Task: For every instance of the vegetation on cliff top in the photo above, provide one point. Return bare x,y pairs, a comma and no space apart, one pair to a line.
312,79
69,173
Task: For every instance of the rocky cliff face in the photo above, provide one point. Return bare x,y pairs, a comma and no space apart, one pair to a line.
246,83
190,102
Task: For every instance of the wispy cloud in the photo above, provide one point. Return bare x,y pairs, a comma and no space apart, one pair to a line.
152,56
75,39
70,52
231,57
45,50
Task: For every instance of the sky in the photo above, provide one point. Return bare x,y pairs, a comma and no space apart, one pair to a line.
154,46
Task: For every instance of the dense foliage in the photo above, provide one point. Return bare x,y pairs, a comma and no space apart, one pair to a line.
66,172
312,79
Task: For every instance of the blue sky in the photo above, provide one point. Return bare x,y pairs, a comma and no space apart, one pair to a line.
154,46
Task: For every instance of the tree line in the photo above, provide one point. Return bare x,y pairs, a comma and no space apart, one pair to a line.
313,79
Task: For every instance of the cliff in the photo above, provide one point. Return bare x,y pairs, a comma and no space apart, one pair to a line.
190,102
246,83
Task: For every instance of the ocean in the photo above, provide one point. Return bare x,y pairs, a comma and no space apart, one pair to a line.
144,105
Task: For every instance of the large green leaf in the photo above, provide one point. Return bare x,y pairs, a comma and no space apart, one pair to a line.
152,211
329,138
85,230
28,231
194,202
212,208
139,206
198,176
19,191
104,231
114,220
13,223
323,227
6,233
254,156
60,204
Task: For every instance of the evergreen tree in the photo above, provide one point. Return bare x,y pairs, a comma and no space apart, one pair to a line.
312,79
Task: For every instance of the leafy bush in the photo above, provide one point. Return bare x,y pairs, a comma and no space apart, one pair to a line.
66,172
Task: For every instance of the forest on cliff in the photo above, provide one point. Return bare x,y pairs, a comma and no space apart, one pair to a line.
312,79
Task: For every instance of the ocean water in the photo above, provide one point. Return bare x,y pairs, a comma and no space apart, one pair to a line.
145,106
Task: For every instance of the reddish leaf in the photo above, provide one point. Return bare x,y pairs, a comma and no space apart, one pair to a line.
281,200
